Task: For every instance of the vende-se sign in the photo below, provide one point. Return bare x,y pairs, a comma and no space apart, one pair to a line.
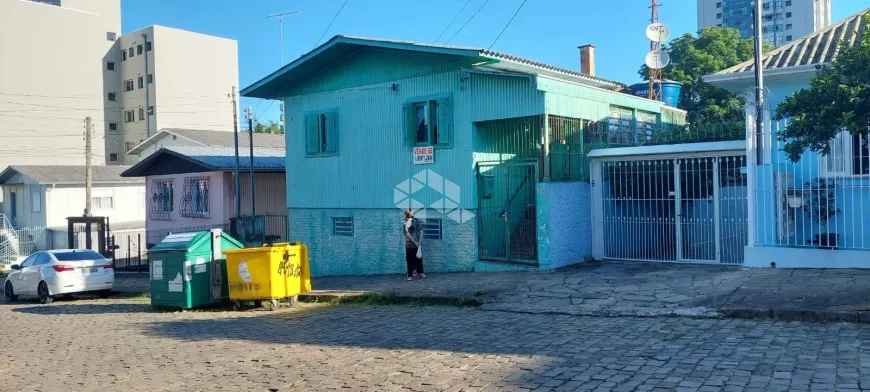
424,155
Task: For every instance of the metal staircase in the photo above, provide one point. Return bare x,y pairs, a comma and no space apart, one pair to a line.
9,244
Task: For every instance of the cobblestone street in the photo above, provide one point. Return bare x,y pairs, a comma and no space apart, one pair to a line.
121,344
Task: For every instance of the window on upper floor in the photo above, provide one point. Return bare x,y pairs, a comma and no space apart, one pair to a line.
113,126
139,49
849,154
141,82
129,116
123,55
141,114
110,65
428,122
128,85
111,36
150,78
788,38
194,199
148,46
151,110
113,157
788,3
112,97
130,52
719,5
719,16
321,132
788,14
788,26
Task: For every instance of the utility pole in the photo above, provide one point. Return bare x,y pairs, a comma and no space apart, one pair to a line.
281,29
655,75
251,147
759,84
236,142
88,166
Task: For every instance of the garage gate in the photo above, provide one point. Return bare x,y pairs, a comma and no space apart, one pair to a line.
665,203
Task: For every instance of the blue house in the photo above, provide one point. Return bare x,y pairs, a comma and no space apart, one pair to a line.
488,148
814,212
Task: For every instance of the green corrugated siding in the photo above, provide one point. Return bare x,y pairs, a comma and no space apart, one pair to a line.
500,97
576,101
370,66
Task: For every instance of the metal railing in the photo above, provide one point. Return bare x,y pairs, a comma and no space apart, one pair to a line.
9,246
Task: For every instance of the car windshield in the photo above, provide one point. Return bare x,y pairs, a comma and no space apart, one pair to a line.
77,255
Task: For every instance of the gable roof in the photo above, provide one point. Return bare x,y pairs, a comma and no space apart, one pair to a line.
67,175
341,46
212,138
197,159
805,53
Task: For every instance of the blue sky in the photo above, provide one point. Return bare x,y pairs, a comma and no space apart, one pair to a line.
544,30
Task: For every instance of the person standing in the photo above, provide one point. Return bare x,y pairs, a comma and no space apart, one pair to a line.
413,245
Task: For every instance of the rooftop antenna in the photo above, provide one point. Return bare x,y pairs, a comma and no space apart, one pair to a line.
280,17
657,59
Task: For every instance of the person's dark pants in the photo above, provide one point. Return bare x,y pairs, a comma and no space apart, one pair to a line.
412,262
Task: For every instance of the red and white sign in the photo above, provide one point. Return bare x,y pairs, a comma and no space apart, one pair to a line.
424,155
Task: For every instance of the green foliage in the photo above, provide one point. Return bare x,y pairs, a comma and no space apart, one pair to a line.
838,99
271,127
692,57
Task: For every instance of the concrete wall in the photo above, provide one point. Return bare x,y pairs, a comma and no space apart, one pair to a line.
762,256
216,202
378,246
564,223
53,75
65,201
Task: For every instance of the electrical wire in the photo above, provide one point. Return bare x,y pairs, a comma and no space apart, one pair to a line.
508,24
331,22
467,21
452,20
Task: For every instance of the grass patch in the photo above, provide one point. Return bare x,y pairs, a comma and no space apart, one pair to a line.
125,294
388,299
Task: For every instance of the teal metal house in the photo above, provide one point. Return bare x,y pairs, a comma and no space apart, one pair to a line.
488,148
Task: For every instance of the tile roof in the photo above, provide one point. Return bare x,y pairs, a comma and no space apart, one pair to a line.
74,174
818,48
212,138
197,159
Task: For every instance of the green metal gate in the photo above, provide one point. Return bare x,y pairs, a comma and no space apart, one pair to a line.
507,211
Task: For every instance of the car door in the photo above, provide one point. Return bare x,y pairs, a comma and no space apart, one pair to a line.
42,261
19,277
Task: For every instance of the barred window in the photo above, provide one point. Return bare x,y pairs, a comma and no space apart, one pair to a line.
161,199
342,227
432,228
621,126
194,201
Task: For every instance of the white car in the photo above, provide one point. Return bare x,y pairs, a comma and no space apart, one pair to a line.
47,274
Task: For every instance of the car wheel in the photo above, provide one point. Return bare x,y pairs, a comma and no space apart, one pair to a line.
10,292
42,293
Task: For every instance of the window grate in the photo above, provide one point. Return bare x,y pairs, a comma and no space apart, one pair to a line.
342,227
161,199
431,229
194,200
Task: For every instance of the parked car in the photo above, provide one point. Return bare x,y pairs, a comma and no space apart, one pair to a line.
47,274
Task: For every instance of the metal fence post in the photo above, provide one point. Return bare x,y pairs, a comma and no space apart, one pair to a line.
128,252
138,252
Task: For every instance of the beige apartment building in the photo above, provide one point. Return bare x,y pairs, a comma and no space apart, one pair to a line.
65,60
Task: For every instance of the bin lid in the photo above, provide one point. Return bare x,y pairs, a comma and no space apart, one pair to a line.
193,241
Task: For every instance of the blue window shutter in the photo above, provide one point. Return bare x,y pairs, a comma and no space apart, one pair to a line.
331,131
445,121
409,126
312,134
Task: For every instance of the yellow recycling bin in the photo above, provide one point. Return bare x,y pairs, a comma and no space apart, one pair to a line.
268,273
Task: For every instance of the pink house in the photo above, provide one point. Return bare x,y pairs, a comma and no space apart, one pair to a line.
191,188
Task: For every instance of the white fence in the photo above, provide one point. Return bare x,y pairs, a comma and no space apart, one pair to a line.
819,201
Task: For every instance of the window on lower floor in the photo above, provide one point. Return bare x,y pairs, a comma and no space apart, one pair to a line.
129,146
148,46
161,200
110,65
151,110
138,49
141,82
141,114
113,126
194,199
342,227
150,78
128,85
113,157
431,228
849,155
103,202
112,97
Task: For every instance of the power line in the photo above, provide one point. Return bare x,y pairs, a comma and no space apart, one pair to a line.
508,24
467,21
452,20
331,22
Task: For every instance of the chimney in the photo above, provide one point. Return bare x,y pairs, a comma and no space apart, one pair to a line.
587,59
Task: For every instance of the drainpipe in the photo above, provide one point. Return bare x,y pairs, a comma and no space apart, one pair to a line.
147,89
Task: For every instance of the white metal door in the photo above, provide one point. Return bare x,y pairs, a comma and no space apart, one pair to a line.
684,209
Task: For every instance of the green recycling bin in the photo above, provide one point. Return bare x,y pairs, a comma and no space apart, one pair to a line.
188,269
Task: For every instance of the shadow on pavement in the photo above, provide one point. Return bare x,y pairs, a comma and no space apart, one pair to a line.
79,308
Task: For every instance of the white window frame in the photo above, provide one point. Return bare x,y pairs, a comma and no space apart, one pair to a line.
840,149
103,199
129,116
128,85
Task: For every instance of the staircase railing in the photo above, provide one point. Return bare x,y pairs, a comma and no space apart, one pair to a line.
9,243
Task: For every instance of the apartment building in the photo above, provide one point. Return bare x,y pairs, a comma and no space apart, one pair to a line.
783,20
170,78
65,60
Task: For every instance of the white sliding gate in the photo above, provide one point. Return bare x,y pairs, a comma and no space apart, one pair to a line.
678,203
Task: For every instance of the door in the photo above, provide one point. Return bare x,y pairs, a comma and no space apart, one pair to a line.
675,209
507,212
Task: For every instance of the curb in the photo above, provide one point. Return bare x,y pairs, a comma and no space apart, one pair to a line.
811,316
389,299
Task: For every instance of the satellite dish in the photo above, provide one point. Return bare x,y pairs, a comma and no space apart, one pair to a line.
658,32
657,59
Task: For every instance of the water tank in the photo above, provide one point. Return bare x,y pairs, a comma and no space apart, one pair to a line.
669,89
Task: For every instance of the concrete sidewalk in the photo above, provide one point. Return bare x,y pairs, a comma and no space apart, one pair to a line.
632,289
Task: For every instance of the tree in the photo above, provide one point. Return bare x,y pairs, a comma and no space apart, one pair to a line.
271,127
714,49
837,99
